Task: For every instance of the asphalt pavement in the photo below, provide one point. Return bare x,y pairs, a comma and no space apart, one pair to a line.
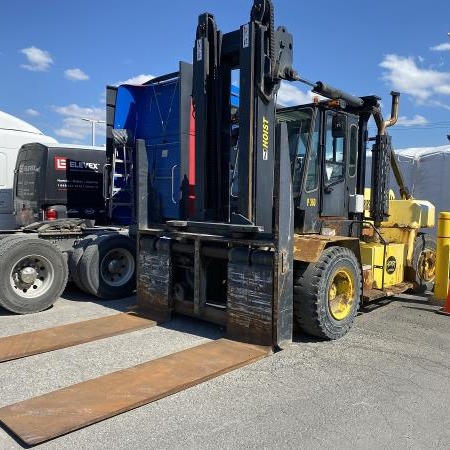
386,384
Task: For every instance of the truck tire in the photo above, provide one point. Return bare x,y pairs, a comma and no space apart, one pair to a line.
327,294
424,263
74,260
108,267
33,274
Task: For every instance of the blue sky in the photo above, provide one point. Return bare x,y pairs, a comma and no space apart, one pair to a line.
57,56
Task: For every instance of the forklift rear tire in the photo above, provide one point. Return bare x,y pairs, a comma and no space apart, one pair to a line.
424,263
108,267
327,293
33,274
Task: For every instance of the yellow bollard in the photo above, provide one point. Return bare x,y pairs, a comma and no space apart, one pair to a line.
442,257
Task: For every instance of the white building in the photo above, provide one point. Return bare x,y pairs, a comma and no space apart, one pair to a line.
14,133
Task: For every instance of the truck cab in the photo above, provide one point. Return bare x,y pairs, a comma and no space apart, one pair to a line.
57,181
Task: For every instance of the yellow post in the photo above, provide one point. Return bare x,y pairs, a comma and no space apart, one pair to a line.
442,257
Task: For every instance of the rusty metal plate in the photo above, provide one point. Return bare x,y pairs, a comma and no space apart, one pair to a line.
27,344
42,418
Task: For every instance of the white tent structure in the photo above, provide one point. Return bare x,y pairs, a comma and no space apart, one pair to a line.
426,172
14,133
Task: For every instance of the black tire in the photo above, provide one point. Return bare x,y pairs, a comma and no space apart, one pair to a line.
108,267
312,293
74,260
42,285
424,263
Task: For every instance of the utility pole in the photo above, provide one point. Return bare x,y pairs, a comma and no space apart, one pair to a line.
93,122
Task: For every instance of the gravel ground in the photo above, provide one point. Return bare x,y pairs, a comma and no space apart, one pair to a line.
384,385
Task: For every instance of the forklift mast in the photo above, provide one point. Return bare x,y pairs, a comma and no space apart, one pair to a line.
231,261
262,57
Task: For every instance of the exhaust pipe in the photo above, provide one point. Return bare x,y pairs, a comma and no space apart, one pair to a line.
382,157
383,124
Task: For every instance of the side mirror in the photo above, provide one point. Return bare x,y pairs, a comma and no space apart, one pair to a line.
339,126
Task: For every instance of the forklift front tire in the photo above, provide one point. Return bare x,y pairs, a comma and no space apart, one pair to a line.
327,293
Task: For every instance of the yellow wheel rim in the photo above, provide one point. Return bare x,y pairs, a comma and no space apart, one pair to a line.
427,265
341,294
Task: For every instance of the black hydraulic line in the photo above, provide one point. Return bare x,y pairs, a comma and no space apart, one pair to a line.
336,94
319,87
381,154
263,12
263,15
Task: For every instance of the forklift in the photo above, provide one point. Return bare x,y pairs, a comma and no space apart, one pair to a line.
279,233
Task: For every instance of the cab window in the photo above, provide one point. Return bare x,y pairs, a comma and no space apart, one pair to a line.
312,174
334,151
299,122
353,153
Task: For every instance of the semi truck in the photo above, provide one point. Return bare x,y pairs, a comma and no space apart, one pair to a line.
62,230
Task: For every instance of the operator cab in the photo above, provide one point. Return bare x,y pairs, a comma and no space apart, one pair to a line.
323,148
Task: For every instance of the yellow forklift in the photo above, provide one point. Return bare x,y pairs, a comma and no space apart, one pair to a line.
278,232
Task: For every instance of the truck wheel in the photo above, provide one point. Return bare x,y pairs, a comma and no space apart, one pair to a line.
108,266
33,274
327,293
424,263
74,260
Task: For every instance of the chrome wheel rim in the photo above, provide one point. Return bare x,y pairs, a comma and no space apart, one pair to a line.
32,276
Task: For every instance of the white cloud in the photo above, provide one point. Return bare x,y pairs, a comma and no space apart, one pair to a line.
78,111
415,121
76,75
32,112
38,60
290,95
137,80
441,47
444,89
76,129
403,74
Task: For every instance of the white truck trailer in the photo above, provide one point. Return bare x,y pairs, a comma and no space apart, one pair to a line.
14,133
